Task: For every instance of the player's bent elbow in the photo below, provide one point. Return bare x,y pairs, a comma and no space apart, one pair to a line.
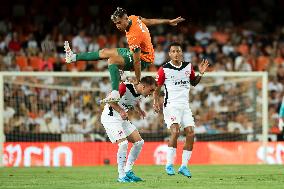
193,83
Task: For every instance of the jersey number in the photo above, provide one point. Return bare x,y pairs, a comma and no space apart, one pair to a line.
130,59
140,24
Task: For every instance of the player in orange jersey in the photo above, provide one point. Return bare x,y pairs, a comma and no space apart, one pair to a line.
139,55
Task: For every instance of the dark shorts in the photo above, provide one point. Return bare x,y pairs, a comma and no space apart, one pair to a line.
129,61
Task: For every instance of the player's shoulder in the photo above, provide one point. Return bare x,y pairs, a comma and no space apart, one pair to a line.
122,85
130,87
168,65
135,28
134,17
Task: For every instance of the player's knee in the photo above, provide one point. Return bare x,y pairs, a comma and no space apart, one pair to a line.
140,143
104,53
110,61
113,60
175,132
123,144
190,133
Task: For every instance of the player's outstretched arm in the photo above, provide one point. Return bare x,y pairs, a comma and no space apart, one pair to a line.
172,22
202,68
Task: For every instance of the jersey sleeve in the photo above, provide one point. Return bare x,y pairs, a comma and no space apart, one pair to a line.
192,73
122,89
160,77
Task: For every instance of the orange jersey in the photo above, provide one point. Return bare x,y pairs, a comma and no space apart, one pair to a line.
138,36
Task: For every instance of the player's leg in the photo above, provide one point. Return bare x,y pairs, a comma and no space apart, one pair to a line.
135,138
123,61
188,145
187,151
97,55
172,147
70,56
115,63
188,124
116,134
172,119
121,159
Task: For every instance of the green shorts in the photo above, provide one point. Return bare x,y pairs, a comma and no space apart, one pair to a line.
129,61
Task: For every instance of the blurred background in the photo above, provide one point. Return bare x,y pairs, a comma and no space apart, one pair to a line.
236,36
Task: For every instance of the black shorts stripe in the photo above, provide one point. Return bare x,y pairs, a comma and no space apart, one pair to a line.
110,111
166,96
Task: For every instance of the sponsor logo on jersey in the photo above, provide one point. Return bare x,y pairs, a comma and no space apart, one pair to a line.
182,82
187,73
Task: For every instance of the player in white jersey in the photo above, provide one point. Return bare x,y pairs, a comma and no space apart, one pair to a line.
120,130
177,76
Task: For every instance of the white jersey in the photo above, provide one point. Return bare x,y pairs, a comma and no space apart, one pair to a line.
176,81
129,98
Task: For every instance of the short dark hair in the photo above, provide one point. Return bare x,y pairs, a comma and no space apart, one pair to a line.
118,13
174,44
148,80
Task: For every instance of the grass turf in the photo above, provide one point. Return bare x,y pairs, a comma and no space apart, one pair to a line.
217,176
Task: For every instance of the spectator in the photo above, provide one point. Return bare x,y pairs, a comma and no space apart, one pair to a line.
79,42
14,45
50,125
83,128
160,56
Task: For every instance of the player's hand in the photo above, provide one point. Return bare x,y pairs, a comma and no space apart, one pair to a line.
156,107
203,66
175,21
135,81
123,115
142,114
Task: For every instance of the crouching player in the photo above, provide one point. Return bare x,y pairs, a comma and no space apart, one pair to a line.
121,131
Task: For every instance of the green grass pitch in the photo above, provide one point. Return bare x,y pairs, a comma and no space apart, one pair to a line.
217,176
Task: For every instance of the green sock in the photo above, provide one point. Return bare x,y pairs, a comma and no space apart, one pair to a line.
88,56
114,76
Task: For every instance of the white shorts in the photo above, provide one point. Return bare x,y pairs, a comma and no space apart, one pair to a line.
117,128
181,115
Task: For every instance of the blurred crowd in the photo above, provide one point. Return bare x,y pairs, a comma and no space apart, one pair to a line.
33,106
32,39
70,105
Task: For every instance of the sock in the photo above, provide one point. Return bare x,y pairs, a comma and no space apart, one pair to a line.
185,157
114,76
171,155
133,154
121,158
88,56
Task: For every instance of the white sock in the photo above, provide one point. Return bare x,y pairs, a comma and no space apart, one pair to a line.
73,58
185,157
133,154
121,158
171,153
